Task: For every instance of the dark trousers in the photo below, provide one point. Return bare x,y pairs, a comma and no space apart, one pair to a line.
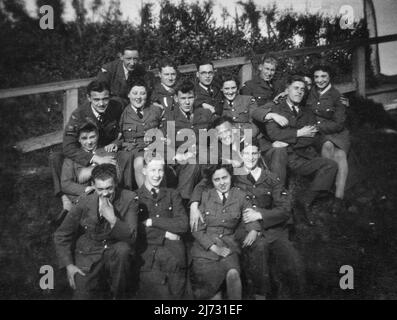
274,262
56,162
112,271
277,161
188,176
324,171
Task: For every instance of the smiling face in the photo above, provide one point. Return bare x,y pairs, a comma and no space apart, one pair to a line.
154,173
296,91
222,180
168,76
229,89
105,188
99,100
321,79
185,100
88,140
250,156
130,59
205,74
138,96
267,71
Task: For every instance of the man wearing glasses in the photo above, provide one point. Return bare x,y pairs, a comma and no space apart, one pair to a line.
208,95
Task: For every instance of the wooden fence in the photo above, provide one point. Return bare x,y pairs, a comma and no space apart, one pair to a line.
70,88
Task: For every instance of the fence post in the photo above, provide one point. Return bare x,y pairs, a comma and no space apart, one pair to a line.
359,70
245,73
70,103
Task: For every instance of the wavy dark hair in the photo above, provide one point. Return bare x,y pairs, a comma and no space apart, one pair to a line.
209,172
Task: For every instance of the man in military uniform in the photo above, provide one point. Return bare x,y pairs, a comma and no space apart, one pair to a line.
104,114
164,91
263,87
299,139
120,72
175,121
108,218
208,95
160,246
272,253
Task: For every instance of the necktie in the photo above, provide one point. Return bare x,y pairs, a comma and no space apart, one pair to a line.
154,193
251,178
224,198
210,91
139,113
188,115
294,111
230,104
101,117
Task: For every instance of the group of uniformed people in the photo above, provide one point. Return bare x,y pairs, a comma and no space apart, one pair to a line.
208,221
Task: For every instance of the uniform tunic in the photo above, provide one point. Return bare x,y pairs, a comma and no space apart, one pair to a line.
211,95
330,117
98,244
133,128
240,110
163,261
272,250
164,97
263,91
220,222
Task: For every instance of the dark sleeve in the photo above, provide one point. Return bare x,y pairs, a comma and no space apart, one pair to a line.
259,113
126,226
69,183
277,133
337,123
65,235
198,191
179,222
71,145
104,74
281,207
246,90
255,225
201,235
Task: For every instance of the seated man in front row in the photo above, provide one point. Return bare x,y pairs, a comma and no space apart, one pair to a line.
299,139
108,220
160,246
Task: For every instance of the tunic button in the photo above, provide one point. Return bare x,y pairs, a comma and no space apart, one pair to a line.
254,206
234,118
223,220
156,204
223,210
157,216
253,186
207,213
221,235
268,192
318,122
106,246
85,227
253,197
129,129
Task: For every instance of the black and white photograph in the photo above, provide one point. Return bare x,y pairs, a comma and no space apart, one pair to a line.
183,151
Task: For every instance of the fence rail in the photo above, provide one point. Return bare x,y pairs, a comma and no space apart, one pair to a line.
71,87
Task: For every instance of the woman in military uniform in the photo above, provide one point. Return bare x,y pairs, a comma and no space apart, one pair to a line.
215,251
137,118
325,102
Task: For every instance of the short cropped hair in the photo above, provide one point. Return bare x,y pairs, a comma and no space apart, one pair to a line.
221,120
97,86
151,156
295,78
128,47
204,62
324,68
230,77
167,62
184,87
104,171
269,59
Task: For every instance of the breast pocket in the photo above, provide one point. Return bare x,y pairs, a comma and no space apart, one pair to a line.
129,131
243,116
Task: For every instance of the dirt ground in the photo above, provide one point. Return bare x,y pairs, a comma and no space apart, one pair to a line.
364,237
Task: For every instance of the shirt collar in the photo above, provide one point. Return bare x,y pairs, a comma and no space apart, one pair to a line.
220,194
96,113
325,90
184,113
125,72
292,106
204,87
169,89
